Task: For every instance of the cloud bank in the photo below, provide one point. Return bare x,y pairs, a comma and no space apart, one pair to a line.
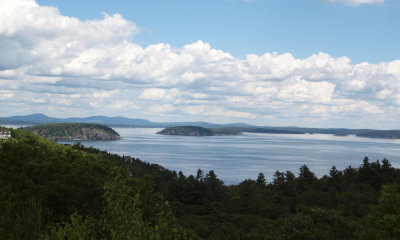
64,66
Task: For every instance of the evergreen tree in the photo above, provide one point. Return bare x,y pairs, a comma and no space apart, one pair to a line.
261,179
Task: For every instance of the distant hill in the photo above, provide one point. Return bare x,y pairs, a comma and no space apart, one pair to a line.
197,131
113,121
109,121
35,119
29,119
74,131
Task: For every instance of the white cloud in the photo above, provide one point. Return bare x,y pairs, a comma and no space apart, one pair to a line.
6,95
356,2
152,94
39,100
123,104
191,76
94,67
305,91
164,108
205,110
104,94
356,107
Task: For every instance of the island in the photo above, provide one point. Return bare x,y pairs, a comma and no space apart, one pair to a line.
74,131
198,131
388,134
341,134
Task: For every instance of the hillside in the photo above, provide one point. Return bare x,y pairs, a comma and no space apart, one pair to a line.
44,185
197,131
74,131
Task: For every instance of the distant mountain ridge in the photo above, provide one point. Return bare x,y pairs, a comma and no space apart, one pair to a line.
39,118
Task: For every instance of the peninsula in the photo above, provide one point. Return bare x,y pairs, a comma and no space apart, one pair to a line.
74,131
198,131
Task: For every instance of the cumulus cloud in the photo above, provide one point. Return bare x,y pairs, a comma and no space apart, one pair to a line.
6,95
61,65
104,94
157,94
164,108
123,104
356,2
203,110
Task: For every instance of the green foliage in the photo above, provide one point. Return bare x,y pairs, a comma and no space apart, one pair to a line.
123,216
43,183
317,223
383,222
23,220
59,177
261,179
290,207
77,229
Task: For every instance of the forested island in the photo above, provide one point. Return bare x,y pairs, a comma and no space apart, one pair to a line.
54,191
74,131
389,134
198,131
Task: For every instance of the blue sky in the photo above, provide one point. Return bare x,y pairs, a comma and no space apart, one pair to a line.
315,63
366,32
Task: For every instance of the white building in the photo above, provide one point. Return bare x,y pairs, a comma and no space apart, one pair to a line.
5,134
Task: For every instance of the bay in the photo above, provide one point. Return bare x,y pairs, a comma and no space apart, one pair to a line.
236,158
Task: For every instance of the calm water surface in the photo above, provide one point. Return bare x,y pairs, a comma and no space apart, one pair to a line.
235,158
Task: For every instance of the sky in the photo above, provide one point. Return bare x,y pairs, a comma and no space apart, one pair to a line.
313,63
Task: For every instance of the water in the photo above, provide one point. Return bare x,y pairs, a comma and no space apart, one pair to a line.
236,158
13,126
